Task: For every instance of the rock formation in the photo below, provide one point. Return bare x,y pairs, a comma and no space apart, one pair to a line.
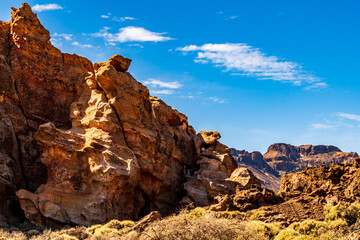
108,149
215,167
304,194
336,183
254,161
84,143
33,76
281,159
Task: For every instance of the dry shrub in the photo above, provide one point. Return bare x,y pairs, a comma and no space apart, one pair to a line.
186,227
341,222
4,235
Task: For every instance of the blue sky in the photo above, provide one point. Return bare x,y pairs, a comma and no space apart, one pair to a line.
259,72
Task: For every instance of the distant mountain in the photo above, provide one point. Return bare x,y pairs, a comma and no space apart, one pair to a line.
282,158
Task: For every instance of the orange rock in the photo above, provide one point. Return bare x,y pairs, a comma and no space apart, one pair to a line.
245,177
108,149
37,85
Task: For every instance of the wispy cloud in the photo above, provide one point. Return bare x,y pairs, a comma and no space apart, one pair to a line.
322,126
162,92
135,45
123,19
66,36
349,116
118,19
77,44
217,100
131,34
152,82
244,60
157,86
46,7
231,17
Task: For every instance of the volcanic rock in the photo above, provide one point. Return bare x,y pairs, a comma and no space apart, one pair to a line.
215,167
304,194
108,149
37,85
245,177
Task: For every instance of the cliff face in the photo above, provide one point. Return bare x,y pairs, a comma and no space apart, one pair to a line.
37,85
83,143
287,158
281,159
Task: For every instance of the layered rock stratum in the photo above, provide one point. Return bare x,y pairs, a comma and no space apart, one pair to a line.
281,159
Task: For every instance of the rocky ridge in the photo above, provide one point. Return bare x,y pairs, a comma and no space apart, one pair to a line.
281,159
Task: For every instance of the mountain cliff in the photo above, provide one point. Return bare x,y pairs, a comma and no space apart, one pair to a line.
281,159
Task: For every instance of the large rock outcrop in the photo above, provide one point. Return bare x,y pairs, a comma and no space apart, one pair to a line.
108,149
125,155
37,85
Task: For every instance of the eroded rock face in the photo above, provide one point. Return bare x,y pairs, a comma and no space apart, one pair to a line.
108,149
33,76
215,167
125,155
111,151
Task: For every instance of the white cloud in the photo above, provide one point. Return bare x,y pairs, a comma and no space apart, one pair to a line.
77,44
232,17
317,85
131,34
217,100
189,97
136,45
123,19
161,87
105,16
161,84
349,116
321,126
242,59
66,36
162,92
46,7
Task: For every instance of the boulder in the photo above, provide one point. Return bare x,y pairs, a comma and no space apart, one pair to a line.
245,177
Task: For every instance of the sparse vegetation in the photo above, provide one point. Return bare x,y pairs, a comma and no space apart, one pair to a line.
341,222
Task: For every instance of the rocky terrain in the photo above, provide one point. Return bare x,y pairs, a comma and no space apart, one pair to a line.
85,144
281,159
